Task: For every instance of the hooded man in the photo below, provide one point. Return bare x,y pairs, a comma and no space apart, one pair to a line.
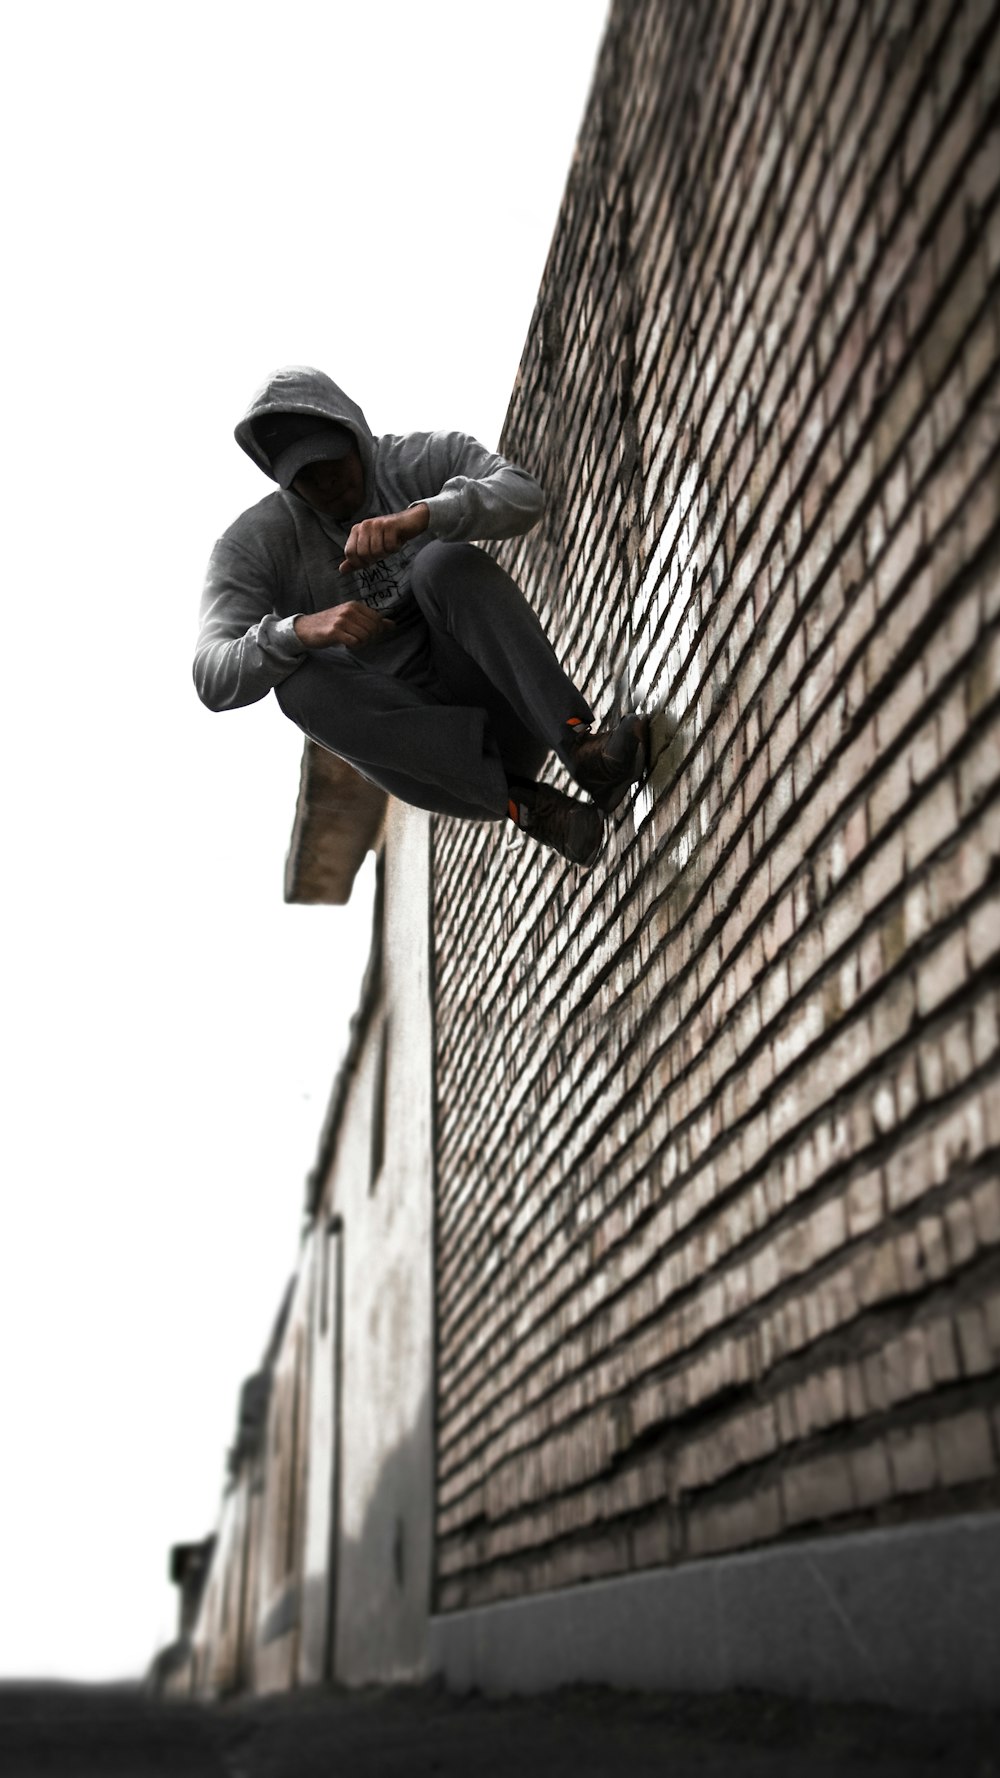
356,594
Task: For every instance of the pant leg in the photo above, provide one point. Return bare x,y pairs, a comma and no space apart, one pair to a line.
474,609
396,733
455,678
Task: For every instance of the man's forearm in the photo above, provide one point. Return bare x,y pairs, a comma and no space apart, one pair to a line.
351,624
232,671
470,509
374,539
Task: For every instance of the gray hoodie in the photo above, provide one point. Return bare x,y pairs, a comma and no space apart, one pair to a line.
281,557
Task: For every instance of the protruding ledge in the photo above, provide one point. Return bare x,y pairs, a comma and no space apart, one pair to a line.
337,820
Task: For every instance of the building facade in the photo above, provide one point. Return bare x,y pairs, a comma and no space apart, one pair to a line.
718,1195
320,1567
648,1326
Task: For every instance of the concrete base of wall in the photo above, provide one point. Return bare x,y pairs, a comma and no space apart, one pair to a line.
908,1617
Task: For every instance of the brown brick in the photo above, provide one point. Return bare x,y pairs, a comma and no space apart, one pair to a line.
985,1205
917,915
983,930
960,1137
908,1096
964,1449
991,1316
956,1054
864,1204
925,750
907,1366
871,1475
961,1231
913,1459
932,823
930,1066
819,1490
985,1032
870,961
651,1542
974,1342
889,798
910,1259
909,1173
884,1106
988,1104
979,771
941,973
876,1274
933,1246
883,873
902,704
943,1352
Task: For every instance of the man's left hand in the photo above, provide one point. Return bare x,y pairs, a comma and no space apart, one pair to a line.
375,538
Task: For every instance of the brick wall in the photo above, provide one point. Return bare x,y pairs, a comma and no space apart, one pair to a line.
718,1248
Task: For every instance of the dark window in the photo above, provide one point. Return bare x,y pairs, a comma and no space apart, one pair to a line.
379,1105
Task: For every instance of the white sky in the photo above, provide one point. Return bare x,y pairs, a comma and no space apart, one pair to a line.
196,194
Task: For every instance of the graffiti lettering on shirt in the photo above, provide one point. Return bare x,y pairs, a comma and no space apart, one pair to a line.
380,584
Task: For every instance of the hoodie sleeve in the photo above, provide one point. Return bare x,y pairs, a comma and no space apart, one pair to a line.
244,648
472,494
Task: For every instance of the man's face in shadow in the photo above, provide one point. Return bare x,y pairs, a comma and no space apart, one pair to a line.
336,488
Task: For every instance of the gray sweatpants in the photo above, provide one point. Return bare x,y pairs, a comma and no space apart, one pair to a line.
465,694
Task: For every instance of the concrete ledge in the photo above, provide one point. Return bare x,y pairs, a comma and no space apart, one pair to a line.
908,1617
337,818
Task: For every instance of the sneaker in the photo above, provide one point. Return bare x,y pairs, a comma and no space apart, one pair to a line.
574,830
607,763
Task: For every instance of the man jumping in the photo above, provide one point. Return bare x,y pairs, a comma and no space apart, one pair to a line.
356,594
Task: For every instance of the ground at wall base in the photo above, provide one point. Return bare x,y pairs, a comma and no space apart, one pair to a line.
579,1732
590,1731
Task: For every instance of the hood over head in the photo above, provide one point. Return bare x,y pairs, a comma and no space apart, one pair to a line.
300,390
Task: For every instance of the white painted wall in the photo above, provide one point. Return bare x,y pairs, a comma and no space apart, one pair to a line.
282,1519
340,1545
318,1583
384,1543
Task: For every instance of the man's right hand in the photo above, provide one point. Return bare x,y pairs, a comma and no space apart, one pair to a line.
351,625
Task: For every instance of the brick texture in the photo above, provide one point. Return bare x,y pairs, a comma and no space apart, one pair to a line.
718,1242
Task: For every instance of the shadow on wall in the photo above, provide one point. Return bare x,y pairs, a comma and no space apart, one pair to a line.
383,1583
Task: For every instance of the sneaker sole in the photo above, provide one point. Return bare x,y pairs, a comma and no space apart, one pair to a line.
609,800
